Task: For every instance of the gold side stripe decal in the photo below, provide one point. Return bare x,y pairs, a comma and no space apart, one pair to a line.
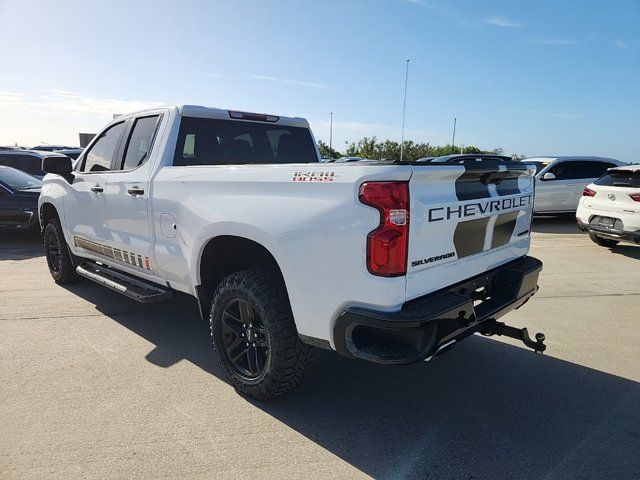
115,253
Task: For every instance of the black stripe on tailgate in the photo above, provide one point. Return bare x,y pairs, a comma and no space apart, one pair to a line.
469,236
503,229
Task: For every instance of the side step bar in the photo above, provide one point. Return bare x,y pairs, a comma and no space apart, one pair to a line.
128,285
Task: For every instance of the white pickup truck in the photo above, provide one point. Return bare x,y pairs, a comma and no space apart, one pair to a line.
386,262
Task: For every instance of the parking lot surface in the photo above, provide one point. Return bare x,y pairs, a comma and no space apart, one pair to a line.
93,385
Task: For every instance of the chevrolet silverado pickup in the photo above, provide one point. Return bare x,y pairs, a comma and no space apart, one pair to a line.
382,261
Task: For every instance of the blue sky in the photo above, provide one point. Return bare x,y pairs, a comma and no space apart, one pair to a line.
535,77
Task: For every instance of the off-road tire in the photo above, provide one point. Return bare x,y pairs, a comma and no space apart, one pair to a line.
60,266
603,242
287,358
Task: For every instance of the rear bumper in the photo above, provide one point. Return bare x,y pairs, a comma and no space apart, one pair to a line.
621,236
427,325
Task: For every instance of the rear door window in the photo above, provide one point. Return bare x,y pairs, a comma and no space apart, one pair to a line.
203,141
564,170
597,169
579,170
140,142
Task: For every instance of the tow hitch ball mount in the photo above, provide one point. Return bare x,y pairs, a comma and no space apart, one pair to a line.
493,327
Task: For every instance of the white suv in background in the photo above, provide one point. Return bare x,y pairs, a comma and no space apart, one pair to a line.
610,207
560,180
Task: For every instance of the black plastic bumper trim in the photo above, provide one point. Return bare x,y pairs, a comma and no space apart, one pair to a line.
425,325
623,236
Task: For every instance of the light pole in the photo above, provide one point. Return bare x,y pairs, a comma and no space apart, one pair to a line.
453,140
404,109
330,132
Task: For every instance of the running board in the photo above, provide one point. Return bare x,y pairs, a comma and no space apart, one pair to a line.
128,285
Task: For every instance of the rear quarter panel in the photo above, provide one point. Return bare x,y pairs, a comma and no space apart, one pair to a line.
315,229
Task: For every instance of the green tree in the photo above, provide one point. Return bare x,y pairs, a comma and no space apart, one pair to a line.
326,152
372,148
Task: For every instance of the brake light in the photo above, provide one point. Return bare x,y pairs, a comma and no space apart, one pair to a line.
258,117
635,197
587,192
387,245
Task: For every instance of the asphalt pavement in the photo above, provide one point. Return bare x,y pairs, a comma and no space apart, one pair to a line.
93,385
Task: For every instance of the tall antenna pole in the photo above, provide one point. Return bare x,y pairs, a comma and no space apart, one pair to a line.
330,132
453,140
404,109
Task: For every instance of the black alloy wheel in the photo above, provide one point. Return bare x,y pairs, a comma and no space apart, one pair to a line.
254,334
52,247
61,265
245,340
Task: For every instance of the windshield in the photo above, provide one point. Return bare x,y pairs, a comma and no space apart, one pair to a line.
18,180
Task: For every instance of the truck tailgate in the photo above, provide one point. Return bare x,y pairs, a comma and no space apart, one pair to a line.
466,219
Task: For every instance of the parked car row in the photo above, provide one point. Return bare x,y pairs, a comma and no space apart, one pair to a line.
19,194
20,182
28,161
71,152
560,180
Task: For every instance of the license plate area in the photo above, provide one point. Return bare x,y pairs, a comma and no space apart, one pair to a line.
607,222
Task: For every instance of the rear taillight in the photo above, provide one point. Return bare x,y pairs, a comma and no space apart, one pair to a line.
635,197
587,192
387,245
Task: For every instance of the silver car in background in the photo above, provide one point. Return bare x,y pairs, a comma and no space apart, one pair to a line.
561,180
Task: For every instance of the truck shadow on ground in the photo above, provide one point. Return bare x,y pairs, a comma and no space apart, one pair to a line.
555,224
485,410
630,251
20,244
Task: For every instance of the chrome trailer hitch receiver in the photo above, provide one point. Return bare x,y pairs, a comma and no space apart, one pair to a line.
493,327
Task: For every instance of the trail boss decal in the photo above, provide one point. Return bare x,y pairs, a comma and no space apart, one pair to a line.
477,208
314,176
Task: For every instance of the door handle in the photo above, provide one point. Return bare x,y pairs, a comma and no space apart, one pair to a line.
571,184
135,191
97,189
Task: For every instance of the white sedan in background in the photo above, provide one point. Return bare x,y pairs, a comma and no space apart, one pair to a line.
610,207
561,180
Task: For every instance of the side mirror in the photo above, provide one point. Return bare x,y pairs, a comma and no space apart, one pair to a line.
549,176
58,165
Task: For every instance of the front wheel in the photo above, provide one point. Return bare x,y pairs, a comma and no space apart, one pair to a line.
254,334
58,257
603,242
